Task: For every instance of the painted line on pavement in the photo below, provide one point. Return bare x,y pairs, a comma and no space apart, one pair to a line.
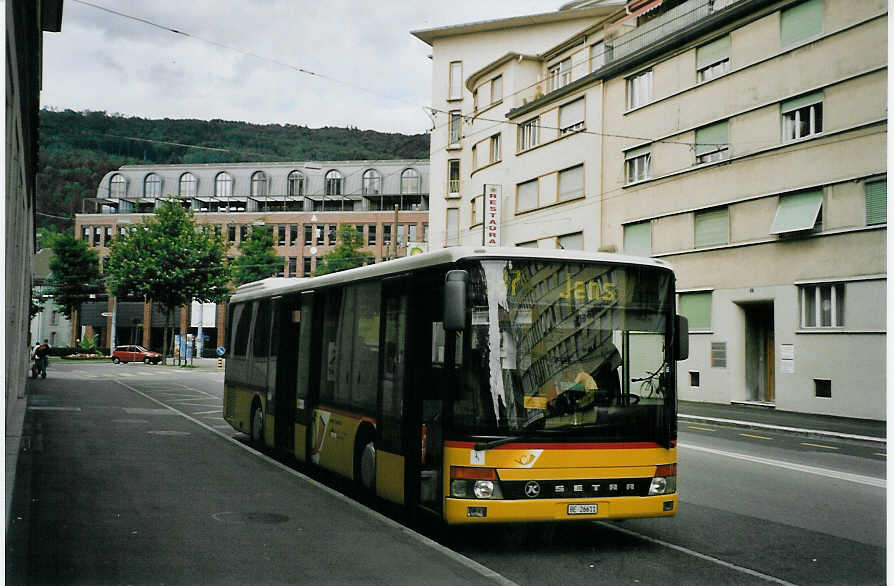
457,557
700,428
693,553
847,476
819,446
207,412
760,437
38,408
865,438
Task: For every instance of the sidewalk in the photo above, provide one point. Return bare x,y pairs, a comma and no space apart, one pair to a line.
762,417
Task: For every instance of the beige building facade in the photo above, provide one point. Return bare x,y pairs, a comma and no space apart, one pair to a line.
743,141
303,203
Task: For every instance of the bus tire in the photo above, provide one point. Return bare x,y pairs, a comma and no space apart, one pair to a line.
365,460
257,423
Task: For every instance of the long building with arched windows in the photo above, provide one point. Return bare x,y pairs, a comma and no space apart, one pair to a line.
302,202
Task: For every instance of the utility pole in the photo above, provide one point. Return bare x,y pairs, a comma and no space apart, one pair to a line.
394,233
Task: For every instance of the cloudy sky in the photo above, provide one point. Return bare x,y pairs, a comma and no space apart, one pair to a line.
379,76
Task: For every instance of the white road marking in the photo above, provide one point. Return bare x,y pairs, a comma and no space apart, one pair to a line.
38,408
457,557
696,554
849,477
207,412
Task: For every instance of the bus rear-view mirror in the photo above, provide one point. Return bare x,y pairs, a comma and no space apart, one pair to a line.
455,300
681,337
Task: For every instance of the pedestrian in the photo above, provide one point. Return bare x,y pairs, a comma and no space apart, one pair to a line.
42,353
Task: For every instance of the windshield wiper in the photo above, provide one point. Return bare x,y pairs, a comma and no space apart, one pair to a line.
481,446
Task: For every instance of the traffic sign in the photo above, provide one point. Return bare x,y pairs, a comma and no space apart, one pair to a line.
221,350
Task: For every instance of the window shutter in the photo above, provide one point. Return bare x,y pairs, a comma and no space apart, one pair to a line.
638,238
801,22
633,153
571,113
571,182
712,227
707,138
876,202
696,307
797,211
801,101
527,196
711,53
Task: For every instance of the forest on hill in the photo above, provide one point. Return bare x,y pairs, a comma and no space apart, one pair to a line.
78,148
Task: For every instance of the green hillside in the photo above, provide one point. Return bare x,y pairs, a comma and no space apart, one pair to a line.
78,148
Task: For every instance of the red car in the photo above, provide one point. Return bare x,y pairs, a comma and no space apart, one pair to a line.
135,354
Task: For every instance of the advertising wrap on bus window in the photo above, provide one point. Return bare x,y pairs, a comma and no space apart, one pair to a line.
493,193
557,348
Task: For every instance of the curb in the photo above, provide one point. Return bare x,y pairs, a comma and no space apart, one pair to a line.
797,430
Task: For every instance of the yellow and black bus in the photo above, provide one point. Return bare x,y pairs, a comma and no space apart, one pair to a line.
479,385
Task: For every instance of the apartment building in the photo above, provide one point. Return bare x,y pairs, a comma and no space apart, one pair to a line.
303,203
743,141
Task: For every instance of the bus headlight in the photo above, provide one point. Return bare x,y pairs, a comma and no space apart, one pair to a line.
479,483
664,481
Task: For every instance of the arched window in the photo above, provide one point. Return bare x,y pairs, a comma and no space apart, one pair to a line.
297,185
409,181
333,183
223,185
117,186
152,186
188,185
372,182
258,184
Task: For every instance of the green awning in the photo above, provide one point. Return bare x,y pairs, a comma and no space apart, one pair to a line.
712,53
800,22
876,202
801,101
638,238
709,138
797,212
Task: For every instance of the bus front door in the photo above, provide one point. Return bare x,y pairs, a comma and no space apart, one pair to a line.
284,347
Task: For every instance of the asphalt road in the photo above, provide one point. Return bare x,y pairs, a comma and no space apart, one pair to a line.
133,478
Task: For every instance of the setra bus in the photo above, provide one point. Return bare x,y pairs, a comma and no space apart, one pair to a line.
479,385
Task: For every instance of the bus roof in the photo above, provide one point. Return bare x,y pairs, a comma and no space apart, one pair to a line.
283,285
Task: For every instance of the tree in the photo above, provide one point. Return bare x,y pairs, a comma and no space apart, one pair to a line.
168,260
345,255
74,274
257,260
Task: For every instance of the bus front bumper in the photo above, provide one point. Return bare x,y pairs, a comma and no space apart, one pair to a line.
463,511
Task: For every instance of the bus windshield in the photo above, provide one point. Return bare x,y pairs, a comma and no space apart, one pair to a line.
565,348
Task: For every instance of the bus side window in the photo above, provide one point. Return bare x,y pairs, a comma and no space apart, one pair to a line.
305,353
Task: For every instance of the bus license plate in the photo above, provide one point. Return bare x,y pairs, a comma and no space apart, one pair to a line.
582,509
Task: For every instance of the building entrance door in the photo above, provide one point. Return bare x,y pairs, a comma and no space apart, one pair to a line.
760,375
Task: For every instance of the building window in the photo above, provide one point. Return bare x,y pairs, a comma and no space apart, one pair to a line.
639,89
571,183
822,305
87,232
598,56
801,22
573,241
386,234
477,210
559,74
108,237
231,234
712,143
97,235
259,184
527,196
571,117
152,186
332,234
293,234
802,116
293,266
425,232
496,89
822,388
712,227
798,212
452,226
455,127
495,151
696,308
306,266
281,235
637,163
638,238
412,233
712,59
223,185
188,185
455,91
297,184
243,233
333,183
453,177
54,318
372,182
876,202
308,235
371,235
528,134
117,186
409,182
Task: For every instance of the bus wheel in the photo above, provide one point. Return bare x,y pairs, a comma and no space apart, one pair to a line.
257,424
368,467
